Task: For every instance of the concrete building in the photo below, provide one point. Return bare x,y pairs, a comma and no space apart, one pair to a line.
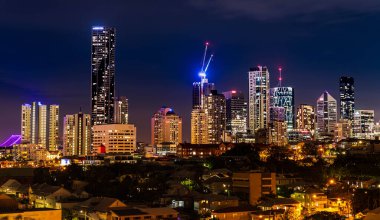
343,129
255,184
166,126
258,103
121,110
116,138
77,134
306,118
278,126
216,116
347,97
26,123
199,127
236,112
326,114
53,127
363,125
284,97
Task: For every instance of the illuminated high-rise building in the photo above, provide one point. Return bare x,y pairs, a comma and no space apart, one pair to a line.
121,110
34,116
326,114
236,112
26,123
284,97
347,97
277,126
306,118
166,127
103,75
53,127
42,125
199,127
364,122
77,134
343,129
258,103
216,116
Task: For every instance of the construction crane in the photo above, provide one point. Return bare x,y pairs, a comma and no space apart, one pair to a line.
205,64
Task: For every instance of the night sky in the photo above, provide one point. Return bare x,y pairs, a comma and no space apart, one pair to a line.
45,51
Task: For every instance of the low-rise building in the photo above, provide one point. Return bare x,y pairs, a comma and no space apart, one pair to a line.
187,150
207,203
254,183
142,213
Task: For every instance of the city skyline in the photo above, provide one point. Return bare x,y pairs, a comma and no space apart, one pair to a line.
37,83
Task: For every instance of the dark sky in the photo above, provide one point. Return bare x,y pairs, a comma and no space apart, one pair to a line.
45,51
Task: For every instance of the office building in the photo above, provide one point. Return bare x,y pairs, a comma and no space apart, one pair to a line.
199,127
166,127
77,134
277,126
258,103
216,116
115,138
236,112
306,118
284,97
347,97
26,123
343,129
363,125
53,127
121,110
326,114
103,75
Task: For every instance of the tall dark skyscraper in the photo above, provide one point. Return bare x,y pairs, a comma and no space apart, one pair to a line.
236,112
347,97
103,75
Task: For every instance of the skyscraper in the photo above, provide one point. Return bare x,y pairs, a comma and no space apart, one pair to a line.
326,114
200,90
166,127
347,97
216,116
77,134
103,75
306,118
236,112
115,138
199,127
277,126
258,98
284,97
42,125
34,129
121,110
26,123
53,127
364,122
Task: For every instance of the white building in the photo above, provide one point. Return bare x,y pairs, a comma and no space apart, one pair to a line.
364,122
116,138
326,114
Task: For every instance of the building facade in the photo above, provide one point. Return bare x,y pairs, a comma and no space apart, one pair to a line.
277,126
306,118
115,138
199,126
258,102
103,75
364,122
347,97
326,114
236,112
166,126
26,123
284,97
121,110
216,116
42,125
53,127
77,134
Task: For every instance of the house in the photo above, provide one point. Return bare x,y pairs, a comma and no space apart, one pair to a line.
142,213
10,186
97,207
233,213
35,214
206,203
47,196
287,204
